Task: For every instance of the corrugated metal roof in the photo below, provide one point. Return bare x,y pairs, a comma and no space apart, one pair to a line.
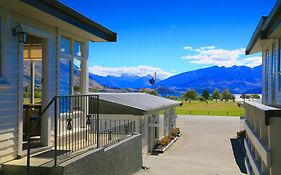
139,101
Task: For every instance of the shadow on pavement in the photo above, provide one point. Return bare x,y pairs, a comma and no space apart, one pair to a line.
239,154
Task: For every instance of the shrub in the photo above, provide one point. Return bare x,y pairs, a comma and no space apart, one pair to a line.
165,140
241,134
37,94
175,132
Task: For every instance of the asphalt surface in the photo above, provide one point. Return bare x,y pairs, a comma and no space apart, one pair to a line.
208,146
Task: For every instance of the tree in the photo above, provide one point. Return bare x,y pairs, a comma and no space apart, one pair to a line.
172,97
190,95
226,95
255,96
149,91
205,95
216,95
243,96
232,98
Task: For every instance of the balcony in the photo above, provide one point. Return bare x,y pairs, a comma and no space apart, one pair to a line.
262,125
78,135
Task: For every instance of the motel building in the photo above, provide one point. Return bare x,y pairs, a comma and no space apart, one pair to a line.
263,120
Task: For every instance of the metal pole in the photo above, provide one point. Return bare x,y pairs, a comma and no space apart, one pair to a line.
98,120
56,130
28,140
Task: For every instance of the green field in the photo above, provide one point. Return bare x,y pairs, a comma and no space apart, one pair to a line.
27,100
212,108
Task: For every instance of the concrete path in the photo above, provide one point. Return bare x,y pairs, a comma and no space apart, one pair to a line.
203,149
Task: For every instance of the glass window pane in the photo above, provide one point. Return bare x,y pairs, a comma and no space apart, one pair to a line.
65,45
65,84
65,77
76,76
77,48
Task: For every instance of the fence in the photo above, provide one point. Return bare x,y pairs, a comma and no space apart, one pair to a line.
77,126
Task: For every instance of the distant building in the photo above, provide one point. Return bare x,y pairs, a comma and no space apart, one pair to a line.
263,121
154,116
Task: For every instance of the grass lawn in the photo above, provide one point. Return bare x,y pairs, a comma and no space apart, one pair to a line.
27,100
212,108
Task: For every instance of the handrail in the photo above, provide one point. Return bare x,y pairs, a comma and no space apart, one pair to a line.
77,126
41,113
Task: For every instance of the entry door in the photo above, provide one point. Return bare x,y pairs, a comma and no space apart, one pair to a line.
274,74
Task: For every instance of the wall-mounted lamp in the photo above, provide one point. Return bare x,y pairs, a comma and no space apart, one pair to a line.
17,31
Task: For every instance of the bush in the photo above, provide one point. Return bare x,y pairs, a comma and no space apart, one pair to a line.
175,132
37,94
165,140
241,134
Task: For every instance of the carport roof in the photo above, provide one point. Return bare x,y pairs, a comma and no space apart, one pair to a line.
137,103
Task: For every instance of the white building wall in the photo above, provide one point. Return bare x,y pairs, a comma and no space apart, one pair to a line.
11,91
271,79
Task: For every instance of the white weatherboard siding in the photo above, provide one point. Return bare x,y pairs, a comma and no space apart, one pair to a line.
267,74
11,92
9,95
261,148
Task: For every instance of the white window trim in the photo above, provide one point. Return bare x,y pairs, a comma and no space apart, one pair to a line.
72,56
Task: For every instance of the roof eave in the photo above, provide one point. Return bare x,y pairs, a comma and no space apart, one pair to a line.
274,12
67,14
162,108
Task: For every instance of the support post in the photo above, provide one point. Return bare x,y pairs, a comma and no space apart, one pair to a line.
32,81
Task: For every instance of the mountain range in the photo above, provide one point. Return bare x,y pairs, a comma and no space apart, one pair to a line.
238,79
123,81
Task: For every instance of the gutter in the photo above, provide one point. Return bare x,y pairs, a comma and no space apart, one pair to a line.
69,15
272,15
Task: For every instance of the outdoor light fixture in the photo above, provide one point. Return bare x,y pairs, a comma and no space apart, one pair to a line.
17,31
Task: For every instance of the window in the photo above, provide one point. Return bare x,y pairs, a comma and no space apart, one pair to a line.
266,68
77,48
65,77
65,45
76,76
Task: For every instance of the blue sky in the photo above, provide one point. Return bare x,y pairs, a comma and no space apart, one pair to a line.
172,36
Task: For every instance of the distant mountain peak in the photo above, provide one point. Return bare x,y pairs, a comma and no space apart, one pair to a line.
237,79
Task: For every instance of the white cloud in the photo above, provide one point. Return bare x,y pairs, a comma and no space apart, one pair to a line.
207,47
188,48
141,70
221,57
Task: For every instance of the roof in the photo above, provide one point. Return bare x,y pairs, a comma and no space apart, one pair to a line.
265,27
69,15
133,103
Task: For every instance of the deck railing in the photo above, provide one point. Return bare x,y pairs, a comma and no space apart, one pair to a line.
77,126
115,130
261,124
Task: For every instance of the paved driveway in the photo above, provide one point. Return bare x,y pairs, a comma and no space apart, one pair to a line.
203,149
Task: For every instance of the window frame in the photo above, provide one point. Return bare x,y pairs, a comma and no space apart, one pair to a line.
72,56
266,72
